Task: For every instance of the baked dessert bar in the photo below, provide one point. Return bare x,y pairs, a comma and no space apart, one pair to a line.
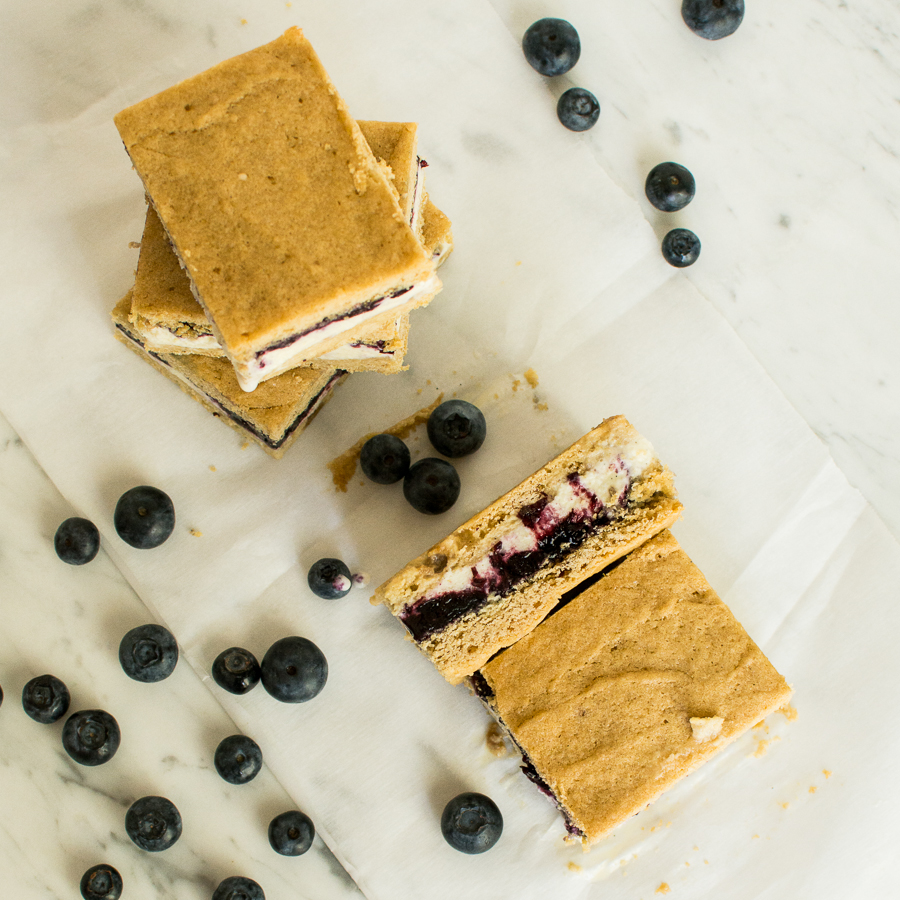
641,677
272,416
169,320
497,576
286,223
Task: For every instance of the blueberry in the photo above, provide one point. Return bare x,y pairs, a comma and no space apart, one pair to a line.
670,187
101,882
153,823
456,428
45,699
238,888
148,653
236,669
471,823
578,109
294,670
680,247
1,696
431,486
144,517
329,579
291,833
91,737
384,459
76,541
551,46
712,19
238,759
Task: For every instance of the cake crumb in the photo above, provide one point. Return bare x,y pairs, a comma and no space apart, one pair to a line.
495,741
243,21
196,533
663,889
812,788
706,728
542,407
755,837
496,396
515,384
134,245
245,445
761,724
574,867
789,712
826,773
762,748
212,468
531,377
343,467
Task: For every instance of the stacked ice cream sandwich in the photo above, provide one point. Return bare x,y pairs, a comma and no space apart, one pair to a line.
285,243
603,652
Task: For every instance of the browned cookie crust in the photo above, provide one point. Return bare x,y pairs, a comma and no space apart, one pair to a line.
263,180
498,575
630,686
273,415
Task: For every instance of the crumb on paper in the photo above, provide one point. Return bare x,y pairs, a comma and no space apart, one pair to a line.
761,724
574,867
663,889
212,468
518,262
812,788
785,805
789,712
542,407
243,21
495,741
755,837
343,467
496,396
515,384
134,245
762,748
531,377
245,445
826,773
706,728
196,533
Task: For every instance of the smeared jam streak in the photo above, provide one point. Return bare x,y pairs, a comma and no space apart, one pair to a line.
556,537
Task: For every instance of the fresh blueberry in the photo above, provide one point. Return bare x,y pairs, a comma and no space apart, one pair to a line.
153,823
578,109
238,759
329,579
431,486
471,823
294,670
457,428
45,699
291,833
680,247
712,19
238,888
76,541
670,187
148,653
551,46
384,459
91,737
101,882
144,517
237,670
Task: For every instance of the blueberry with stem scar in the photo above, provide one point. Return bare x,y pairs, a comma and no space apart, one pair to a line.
76,541
45,699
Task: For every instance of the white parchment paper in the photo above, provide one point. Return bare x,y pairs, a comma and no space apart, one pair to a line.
555,269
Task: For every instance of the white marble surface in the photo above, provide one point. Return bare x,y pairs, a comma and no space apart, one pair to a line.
791,127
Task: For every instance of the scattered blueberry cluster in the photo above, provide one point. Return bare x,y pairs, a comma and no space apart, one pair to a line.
456,428
670,187
552,47
144,518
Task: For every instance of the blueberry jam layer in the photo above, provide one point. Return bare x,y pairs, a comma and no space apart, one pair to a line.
550,530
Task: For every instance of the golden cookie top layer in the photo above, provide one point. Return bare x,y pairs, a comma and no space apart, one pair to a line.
270,195
631,685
